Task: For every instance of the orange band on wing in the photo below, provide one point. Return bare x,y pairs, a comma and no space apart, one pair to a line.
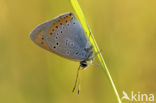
40,40
59,22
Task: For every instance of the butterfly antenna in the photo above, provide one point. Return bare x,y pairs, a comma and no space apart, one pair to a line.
78,72
92,58
79,83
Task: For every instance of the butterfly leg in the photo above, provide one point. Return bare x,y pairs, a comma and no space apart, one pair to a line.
94,64
95,54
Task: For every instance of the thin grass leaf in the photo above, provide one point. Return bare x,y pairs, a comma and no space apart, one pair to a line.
87,29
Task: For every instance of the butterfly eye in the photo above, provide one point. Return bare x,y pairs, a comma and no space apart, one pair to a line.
83,64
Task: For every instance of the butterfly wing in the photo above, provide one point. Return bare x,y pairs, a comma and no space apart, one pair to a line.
38,35
63,35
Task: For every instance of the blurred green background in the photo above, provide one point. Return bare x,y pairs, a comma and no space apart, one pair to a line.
124,29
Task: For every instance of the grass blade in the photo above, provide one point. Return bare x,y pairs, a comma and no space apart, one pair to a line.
87,29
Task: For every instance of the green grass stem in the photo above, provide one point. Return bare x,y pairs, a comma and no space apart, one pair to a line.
87,29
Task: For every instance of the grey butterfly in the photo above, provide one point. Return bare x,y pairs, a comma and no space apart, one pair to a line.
65,37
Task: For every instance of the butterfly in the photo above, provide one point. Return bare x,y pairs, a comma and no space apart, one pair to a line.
65,37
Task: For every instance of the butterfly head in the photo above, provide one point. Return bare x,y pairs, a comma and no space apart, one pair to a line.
83,64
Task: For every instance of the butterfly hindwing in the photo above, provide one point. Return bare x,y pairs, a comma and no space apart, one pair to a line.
67,38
